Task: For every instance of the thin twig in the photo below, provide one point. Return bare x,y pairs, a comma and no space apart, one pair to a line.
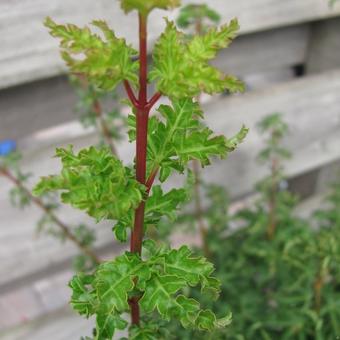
38,202
106,132
273,201
153,100
199,209
130,94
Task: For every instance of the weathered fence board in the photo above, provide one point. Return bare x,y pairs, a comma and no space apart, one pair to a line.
301,101
28,53
323,53
50,102
311,104
61,325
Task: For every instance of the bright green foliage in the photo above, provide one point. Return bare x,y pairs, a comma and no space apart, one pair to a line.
94,181
149,330
160,204
157,206
194,14
181,137
181,65
105,62
146,6
159,279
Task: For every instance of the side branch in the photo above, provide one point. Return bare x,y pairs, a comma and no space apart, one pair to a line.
150,180
65,229
153,100
106,132
130,94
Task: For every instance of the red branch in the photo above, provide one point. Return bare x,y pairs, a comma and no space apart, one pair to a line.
143,107
130,94
150,180
153,100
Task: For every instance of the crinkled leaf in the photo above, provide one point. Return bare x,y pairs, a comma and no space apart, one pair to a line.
149,329
200,145
116,279
181,137
181,66
161,204
107,322
94,181
83,298
159,294
233,142
105,62
146,6
182,263
207,321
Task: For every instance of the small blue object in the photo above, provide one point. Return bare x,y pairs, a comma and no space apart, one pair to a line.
7,146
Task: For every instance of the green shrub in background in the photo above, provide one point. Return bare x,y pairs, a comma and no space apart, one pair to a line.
280,273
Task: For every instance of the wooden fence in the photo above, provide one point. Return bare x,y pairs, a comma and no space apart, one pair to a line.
289,56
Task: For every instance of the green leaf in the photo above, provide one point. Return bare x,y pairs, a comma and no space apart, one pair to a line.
207,321
114,280
193,270
200,145
105,62
191,14
146,6
83,298
179,137
233,142
94,181
159,294
181,66
160,204
107,322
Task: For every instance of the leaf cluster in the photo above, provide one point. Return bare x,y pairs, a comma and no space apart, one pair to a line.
181,65
158,279
105,61
94,181
179,136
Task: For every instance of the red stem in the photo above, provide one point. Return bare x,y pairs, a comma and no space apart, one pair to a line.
154,100
130,94
143,108
150,180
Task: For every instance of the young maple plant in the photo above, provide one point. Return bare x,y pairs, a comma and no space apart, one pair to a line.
150,278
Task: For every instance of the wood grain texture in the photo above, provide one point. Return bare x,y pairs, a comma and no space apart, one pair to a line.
323,53
29,53
310,106
50,102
